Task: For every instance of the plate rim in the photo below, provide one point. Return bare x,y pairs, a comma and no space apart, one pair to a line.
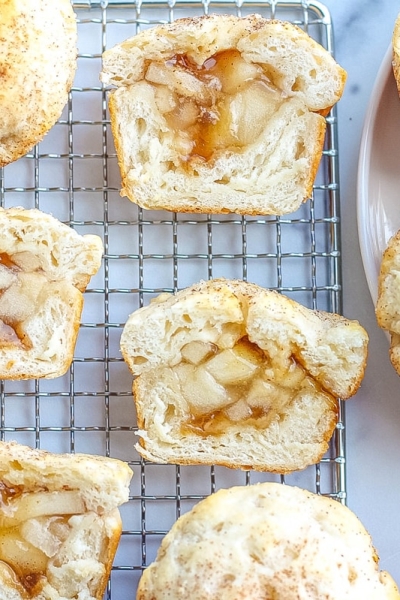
363,173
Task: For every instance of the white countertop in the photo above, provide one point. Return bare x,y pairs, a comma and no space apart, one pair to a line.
362,34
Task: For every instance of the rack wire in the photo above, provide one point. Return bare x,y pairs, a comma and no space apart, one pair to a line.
73,174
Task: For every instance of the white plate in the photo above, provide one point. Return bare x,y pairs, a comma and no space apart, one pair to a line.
378,194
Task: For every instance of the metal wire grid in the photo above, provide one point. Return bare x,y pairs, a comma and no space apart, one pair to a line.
73,174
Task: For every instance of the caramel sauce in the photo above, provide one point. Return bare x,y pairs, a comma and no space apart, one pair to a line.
182,60
6,260
33,583
9,336
218,423
211,131
261,397
8,493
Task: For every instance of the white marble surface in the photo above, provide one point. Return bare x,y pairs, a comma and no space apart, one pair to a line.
363,30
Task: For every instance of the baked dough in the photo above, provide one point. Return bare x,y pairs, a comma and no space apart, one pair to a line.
44,268
59,522
264,542
220,114
37,65
396,52
387,307
233,374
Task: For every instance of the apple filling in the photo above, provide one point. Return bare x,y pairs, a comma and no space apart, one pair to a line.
21,281
225,103
225,386
33,527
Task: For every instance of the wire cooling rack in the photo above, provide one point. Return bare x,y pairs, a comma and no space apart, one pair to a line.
73,174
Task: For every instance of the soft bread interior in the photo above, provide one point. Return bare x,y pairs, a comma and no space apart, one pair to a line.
59,523
233,374
219,114
267,541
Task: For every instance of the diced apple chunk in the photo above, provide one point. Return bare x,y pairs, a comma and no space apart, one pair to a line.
59,527
8,336
235,365
15,306
231,333
160,74
31,285
251,109
183,143
26,261
188,114
40,533
294,376
196,352
234,72
200,390
7,277
18,301
178,80
20,554
262,394
216,131
165,99
267,395
32,505
240,411
184,115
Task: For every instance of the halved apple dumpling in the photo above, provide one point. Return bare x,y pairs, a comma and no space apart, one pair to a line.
230,373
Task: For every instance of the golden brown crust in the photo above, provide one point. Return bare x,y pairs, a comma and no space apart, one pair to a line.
316,159
37,66
108,555
118,143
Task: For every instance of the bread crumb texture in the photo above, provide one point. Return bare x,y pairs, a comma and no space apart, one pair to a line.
264,542
220,114
229,373
59,522
37,66
45,267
